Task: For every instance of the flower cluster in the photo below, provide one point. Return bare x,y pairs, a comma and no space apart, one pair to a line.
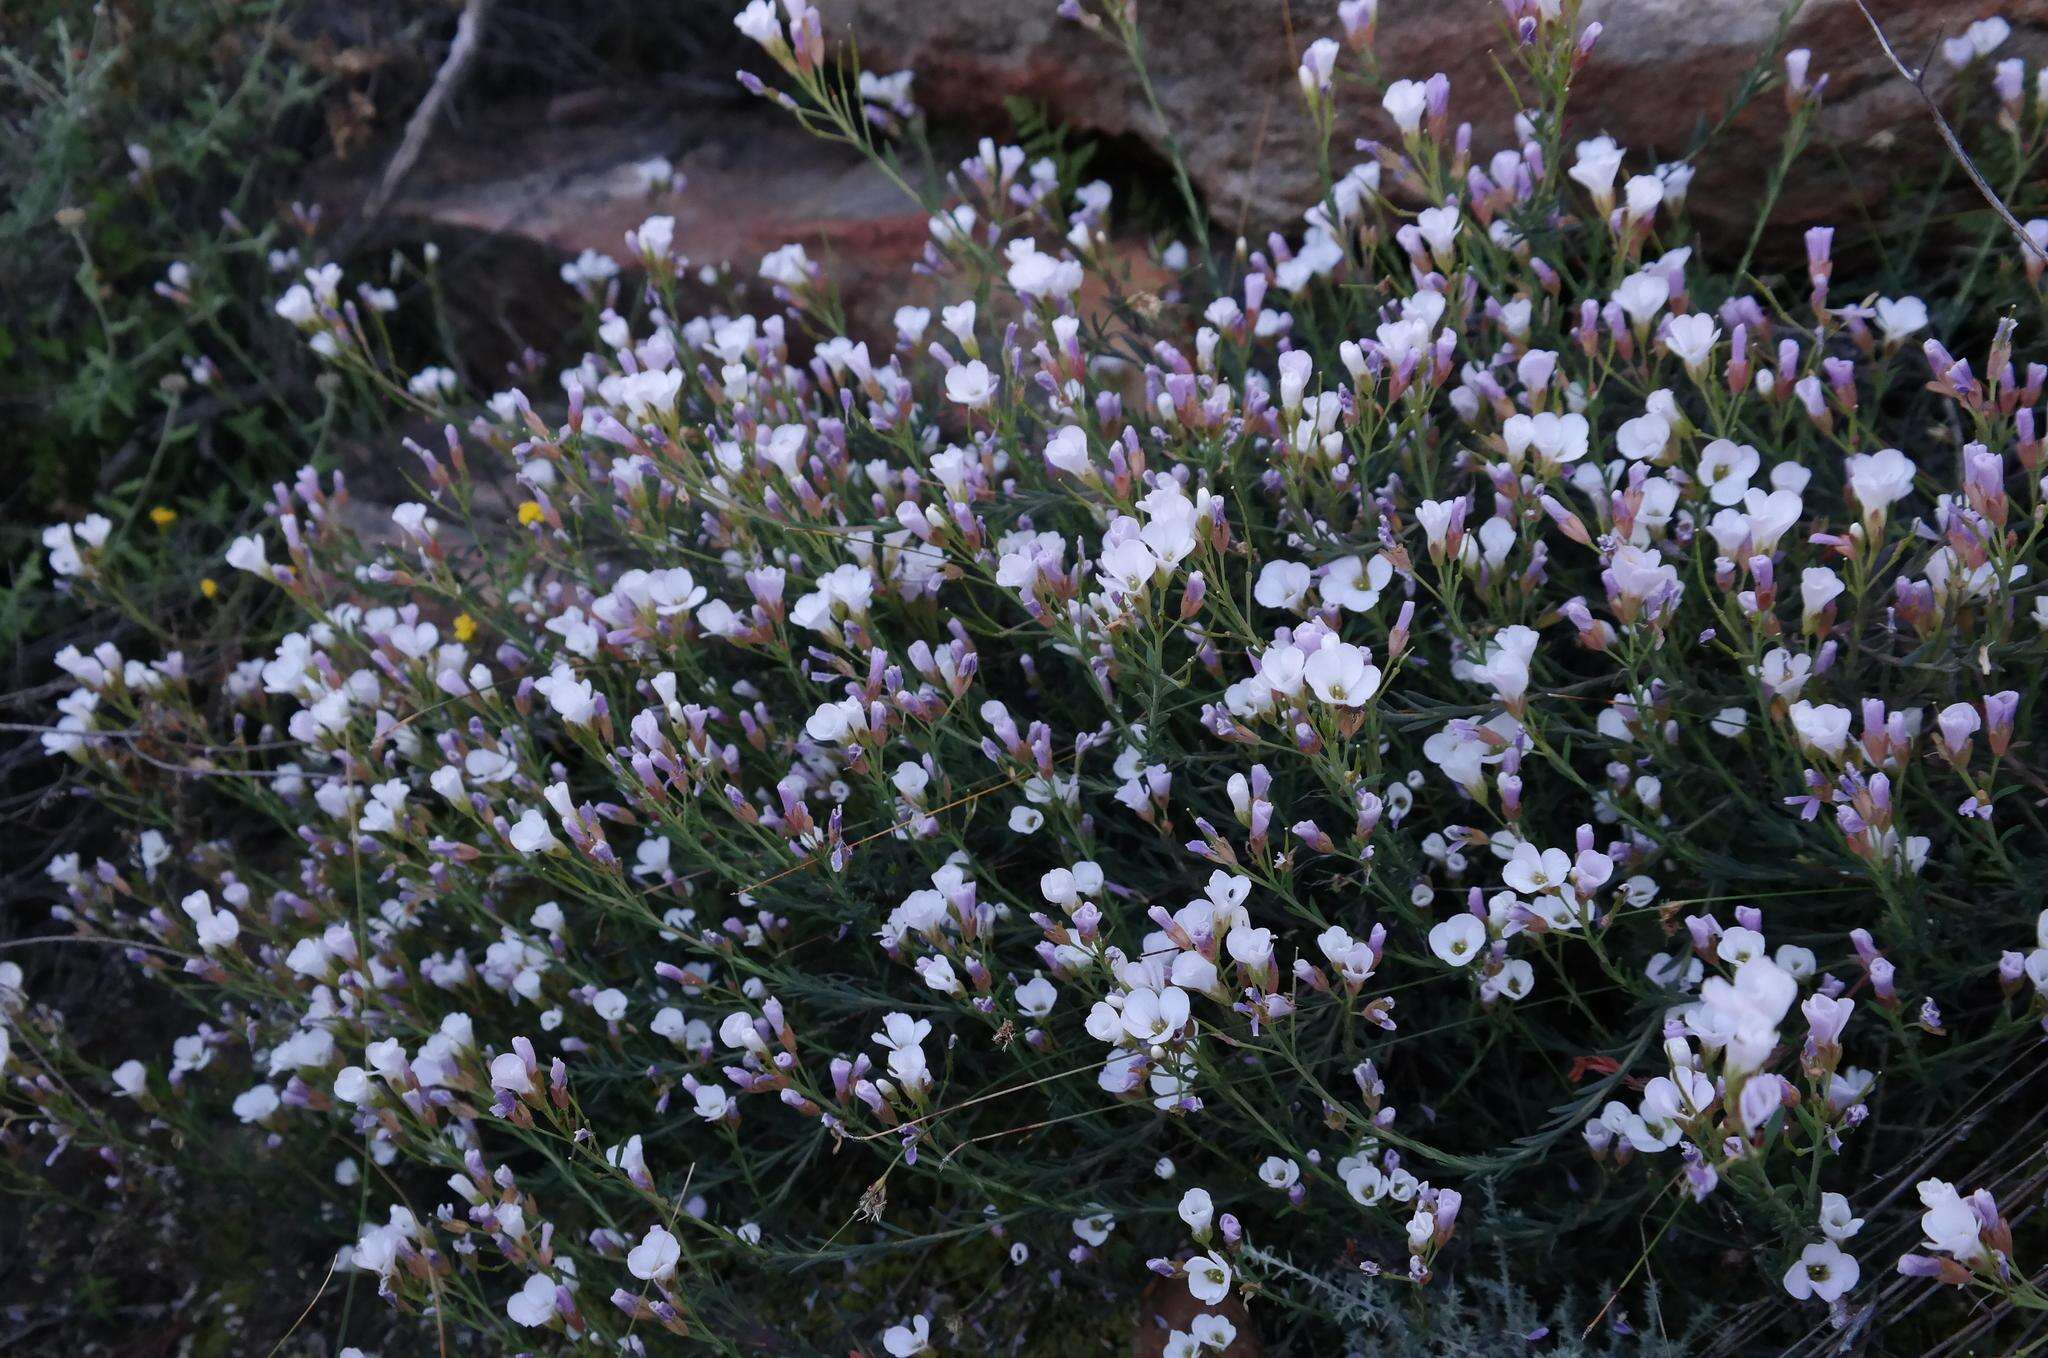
1357,739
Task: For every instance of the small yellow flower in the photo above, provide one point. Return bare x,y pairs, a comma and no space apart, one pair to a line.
163,517
209,587
529,513
465,627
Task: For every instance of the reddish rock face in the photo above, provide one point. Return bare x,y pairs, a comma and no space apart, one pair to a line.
1224,71
517,190
532,185
512,196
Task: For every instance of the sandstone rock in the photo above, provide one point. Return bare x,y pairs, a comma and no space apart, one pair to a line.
533,184
1224,71
511,196
518,188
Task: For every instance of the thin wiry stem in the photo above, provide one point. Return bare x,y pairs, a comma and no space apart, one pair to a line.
1918,80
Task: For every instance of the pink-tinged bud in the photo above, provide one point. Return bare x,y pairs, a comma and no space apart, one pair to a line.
1568,522
1820,243
1955,724
1088,921
2012,969
1738,360
1984,482
1999,711
1309,833
1436,95
1813,399
1370,808
1584,51
1397,639
1942,1269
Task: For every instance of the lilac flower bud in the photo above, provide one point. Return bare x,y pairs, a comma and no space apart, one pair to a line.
1309,833
2012,968
1999,711
1956,723
1826,1018
1820,242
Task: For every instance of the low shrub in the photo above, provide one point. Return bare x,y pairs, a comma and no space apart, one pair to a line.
1461,782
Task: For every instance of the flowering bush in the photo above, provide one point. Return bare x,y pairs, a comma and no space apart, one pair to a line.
1455,729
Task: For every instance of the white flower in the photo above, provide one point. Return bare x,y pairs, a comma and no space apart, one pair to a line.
1950,1223
1405,101
912,1337
1692,337
1340,675
1823,727
1067,451
654,238
1318,62
1457,940
131,1079
1899,318
1283,584
1439,229
254,1105
1643,295
1557,440
534,1304
1208,1278
1881,479
531,833
1197,1210
1093,1230
1818,587
1035,274
759,22
787,266
573,699
1278,1172
971,384
1597,163
654,1259
1979,40
712,1101
1153,1016
1645,436
1354,583
1837,1220
246,554
434,384
1035,998
1725,467
1822,1271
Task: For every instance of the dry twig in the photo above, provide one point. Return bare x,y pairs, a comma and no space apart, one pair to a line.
468,31
1918,80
